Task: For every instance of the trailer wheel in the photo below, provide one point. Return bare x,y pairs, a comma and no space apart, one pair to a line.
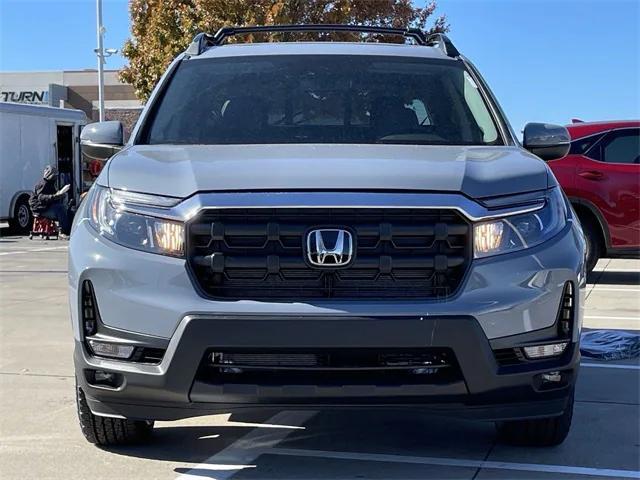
22,216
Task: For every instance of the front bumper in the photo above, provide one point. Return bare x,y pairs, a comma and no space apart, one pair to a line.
174,389
505,301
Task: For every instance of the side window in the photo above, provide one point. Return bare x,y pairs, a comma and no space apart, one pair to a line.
479,110
622,147
580,146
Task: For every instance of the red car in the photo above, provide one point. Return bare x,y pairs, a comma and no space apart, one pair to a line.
601,177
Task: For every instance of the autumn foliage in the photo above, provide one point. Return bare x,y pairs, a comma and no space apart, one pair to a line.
160,29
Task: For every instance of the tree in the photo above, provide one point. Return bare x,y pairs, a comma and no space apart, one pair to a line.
160,29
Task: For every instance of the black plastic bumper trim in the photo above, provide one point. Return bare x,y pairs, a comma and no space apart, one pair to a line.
171,385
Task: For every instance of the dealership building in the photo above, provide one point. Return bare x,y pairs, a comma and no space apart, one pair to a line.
73,89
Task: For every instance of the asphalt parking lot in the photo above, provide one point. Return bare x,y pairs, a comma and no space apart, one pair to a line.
40,437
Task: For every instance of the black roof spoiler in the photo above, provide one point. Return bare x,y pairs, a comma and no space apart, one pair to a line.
203,41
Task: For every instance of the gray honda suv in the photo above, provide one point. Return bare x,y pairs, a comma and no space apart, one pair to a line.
325,224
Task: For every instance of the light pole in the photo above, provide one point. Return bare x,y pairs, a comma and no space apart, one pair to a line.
102,54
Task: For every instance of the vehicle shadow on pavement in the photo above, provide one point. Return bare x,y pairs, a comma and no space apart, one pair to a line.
369,432
612,277
182,443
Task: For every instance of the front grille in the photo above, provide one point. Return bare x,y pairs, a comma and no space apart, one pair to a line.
260,254
330,366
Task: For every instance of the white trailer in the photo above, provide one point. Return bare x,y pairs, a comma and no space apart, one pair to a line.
32,137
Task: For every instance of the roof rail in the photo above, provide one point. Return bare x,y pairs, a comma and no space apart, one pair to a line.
443,42
202,41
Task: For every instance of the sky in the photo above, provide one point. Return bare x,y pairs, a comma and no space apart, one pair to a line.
545,60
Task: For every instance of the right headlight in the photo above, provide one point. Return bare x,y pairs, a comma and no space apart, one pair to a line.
110,215
517,232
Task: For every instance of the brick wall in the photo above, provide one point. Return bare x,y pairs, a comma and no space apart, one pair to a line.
128,117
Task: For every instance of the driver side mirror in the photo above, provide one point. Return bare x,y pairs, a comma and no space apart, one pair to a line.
101,140
549,142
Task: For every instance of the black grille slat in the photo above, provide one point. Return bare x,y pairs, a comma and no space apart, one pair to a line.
238,229
147,355
259,253
508,356
293,262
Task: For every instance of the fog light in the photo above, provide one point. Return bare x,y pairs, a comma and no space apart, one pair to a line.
544,351
111,350
100,378
553,377
104,377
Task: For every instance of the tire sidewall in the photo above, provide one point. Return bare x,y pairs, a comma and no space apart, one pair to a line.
22,216
592,247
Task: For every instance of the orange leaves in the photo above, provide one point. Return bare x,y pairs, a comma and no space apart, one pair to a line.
160,29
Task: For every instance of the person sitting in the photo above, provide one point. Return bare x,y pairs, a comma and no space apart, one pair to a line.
47,202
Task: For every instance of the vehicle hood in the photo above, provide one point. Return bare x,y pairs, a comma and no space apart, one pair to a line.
180,171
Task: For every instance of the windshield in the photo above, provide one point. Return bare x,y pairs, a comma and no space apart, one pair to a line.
321,99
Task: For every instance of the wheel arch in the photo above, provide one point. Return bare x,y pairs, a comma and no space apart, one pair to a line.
16,196
585,207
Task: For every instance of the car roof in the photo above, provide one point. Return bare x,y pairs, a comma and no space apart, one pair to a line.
584,129
323,48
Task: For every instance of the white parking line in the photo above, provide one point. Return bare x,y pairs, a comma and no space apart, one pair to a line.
613,269
45,249
597,288
241,453
456,462
605,317
612,365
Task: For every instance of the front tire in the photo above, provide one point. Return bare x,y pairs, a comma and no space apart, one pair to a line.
539,432
107,431
594,243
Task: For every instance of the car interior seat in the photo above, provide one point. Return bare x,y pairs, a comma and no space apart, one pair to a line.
390,116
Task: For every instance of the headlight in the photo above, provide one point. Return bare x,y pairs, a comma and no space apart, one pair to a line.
517,232
108,214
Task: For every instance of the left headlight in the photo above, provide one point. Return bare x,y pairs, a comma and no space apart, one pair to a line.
517,232
109,215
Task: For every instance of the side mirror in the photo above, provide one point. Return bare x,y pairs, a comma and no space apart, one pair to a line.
549,142
101,140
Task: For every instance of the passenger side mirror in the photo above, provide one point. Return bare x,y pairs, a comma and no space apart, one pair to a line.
101,140
549,142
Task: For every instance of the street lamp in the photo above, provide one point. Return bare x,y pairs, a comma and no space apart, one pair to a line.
102,54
